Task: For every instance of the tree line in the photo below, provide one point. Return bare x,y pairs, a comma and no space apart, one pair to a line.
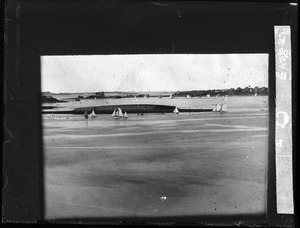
247,91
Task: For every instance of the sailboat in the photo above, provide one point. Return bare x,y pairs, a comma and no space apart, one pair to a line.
215,108
223,108
218,107
93,114
176,110
114,113
117,113
125,115
120,112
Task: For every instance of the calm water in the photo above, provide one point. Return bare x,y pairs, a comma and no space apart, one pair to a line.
157,165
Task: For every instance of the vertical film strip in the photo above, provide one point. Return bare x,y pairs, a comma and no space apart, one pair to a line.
283,134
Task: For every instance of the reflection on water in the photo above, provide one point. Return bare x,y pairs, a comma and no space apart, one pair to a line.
117,122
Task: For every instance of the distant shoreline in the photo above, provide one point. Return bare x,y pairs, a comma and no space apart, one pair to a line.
151,92
247,91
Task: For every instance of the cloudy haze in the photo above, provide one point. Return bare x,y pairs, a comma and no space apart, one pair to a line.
170,72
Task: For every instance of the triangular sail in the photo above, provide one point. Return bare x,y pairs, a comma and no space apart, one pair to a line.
176,110
114,113
224,108
215,108
93,114
218,108
125,115
120,112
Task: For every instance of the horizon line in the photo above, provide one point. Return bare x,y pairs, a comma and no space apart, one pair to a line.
153,91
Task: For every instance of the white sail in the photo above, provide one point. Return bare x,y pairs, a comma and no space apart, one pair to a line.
125,115
224,108
93,114
176,110
120,112
215,108
218,108
114,113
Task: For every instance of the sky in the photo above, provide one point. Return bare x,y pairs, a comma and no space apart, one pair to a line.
160,72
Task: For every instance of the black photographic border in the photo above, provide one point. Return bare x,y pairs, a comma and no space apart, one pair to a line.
70,27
